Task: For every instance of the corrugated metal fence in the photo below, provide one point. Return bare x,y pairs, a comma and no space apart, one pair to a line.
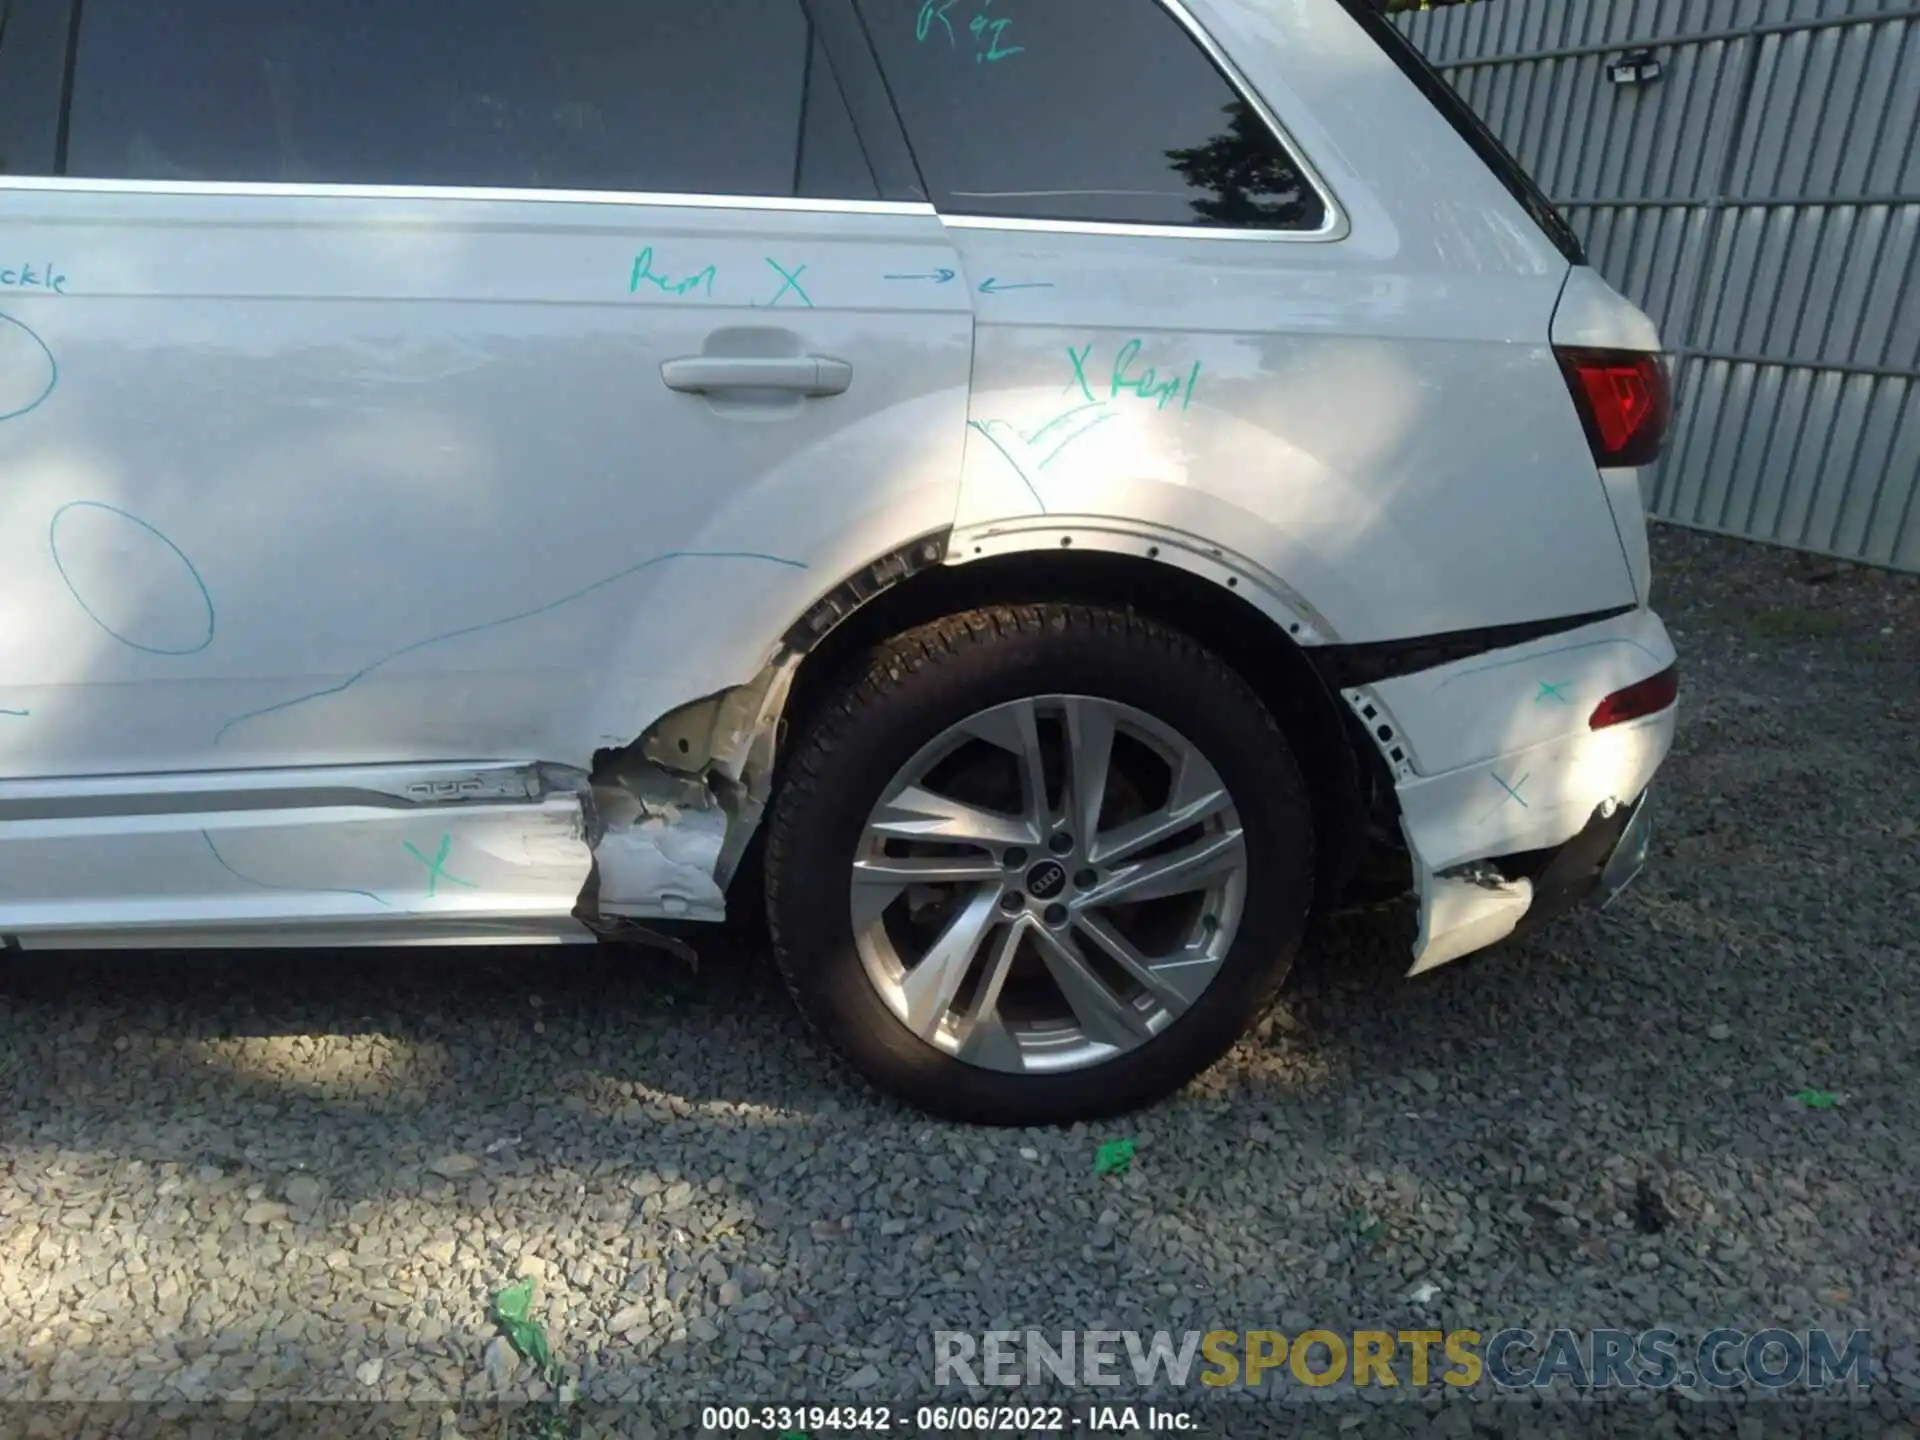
1762,201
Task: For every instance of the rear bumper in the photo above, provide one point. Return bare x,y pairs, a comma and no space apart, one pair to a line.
1594,866
1514,809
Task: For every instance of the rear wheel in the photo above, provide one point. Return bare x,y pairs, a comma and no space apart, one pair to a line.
1042,863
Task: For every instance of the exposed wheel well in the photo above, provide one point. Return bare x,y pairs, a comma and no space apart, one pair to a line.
1343,772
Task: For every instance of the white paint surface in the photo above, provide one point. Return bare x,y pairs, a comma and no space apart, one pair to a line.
419,457
1594,315
1458,917
273,852
1511,700
1378,419
1501,759
314,491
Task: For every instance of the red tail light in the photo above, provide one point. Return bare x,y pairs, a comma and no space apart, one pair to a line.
1625,400
1646,697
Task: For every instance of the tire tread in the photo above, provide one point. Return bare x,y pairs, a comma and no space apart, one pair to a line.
901,661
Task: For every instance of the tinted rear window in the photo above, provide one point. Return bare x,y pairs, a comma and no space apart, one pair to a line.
1081,110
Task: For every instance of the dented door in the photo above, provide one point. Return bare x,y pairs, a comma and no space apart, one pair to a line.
311,465
332,479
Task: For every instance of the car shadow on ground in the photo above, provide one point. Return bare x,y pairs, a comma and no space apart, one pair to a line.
1696,1106
231,1025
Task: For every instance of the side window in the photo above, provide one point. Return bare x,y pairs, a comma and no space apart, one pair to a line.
1081,110
32,66
726,97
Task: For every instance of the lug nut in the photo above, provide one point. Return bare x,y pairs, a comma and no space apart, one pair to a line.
1012,901
1056,915
1015,858
1086,879
1061,844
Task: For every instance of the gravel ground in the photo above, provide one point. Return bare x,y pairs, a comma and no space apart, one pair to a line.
304,1175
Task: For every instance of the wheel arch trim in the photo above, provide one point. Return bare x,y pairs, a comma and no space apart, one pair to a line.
1269,594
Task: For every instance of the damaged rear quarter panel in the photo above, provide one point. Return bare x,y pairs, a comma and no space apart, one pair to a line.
1371,412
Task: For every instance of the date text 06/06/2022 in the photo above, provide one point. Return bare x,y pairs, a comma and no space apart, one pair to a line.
801,1422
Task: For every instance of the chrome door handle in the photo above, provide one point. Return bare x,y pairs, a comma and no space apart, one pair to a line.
809,375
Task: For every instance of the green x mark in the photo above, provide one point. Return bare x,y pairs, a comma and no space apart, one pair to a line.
792,278
436,867
1552,692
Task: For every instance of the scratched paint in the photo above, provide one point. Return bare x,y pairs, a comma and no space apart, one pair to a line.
1034,451
1053,438
436,867
46,277
485,625
701,280
238,874
1030,452
998,433
1128,376
28,372
130,579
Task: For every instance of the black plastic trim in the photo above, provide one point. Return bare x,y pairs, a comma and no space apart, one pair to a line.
1568,877
855,591
1346,666
1462,116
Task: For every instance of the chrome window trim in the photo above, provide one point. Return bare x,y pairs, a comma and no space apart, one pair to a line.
1333,225
260,189
1339,230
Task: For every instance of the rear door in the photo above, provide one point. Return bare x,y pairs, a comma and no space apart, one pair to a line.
391,384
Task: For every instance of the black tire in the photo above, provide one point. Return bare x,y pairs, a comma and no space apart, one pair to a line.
934,676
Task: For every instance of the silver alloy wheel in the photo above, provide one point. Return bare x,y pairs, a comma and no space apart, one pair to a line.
1048,884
